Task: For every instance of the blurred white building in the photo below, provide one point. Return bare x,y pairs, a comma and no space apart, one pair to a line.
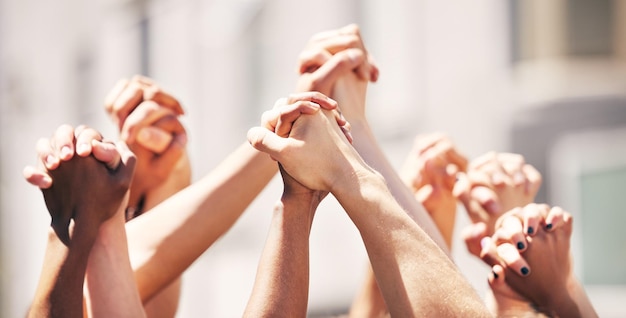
493,75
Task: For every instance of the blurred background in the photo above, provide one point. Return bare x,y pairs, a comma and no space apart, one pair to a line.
546,79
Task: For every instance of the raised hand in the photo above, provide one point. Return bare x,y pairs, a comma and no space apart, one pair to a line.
430,171
148,118
331,54
287,110
82,192
494,184
541,271
320,163
68,182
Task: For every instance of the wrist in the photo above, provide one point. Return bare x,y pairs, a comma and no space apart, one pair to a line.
362,185
300,206
562,304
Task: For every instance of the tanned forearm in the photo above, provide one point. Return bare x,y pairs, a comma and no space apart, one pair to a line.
60,289
414,275
282,282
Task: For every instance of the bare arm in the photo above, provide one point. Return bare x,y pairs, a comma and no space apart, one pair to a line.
282,282
164,243
413,273
71,194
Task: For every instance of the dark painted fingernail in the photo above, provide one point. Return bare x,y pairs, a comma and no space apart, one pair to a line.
495,275
520,245
549,226
525,270
531,230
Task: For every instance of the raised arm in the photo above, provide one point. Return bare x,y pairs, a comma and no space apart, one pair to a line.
494,184
548,284
80,209
204,211
413,273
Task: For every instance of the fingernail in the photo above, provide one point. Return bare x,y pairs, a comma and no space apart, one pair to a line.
531,230
497,178
525,271
50,160
82,148
484,241
549,226
520,245
518,178
66,152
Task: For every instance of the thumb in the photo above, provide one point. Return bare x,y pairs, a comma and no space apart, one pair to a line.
266,141
472,235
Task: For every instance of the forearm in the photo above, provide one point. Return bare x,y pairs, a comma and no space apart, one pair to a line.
110,287
367,146
413,273
60,289
282,282
168,239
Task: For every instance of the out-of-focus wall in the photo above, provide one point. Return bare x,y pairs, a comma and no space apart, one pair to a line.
445,66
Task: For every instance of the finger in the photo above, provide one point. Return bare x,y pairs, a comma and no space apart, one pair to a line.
154,139
374,70
533,179
287,115
339,64
145,114
114,94
266,141
424,194
555,218
500,178
84,141
128,160
346,132
451,175
160,134
312,59
488,199
37,177
511,231
106,153
46,155
512,165
532,219
170,157
157,95
489,252
461,189
512,258
497,282
63,142
472,235
126,102
316,97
